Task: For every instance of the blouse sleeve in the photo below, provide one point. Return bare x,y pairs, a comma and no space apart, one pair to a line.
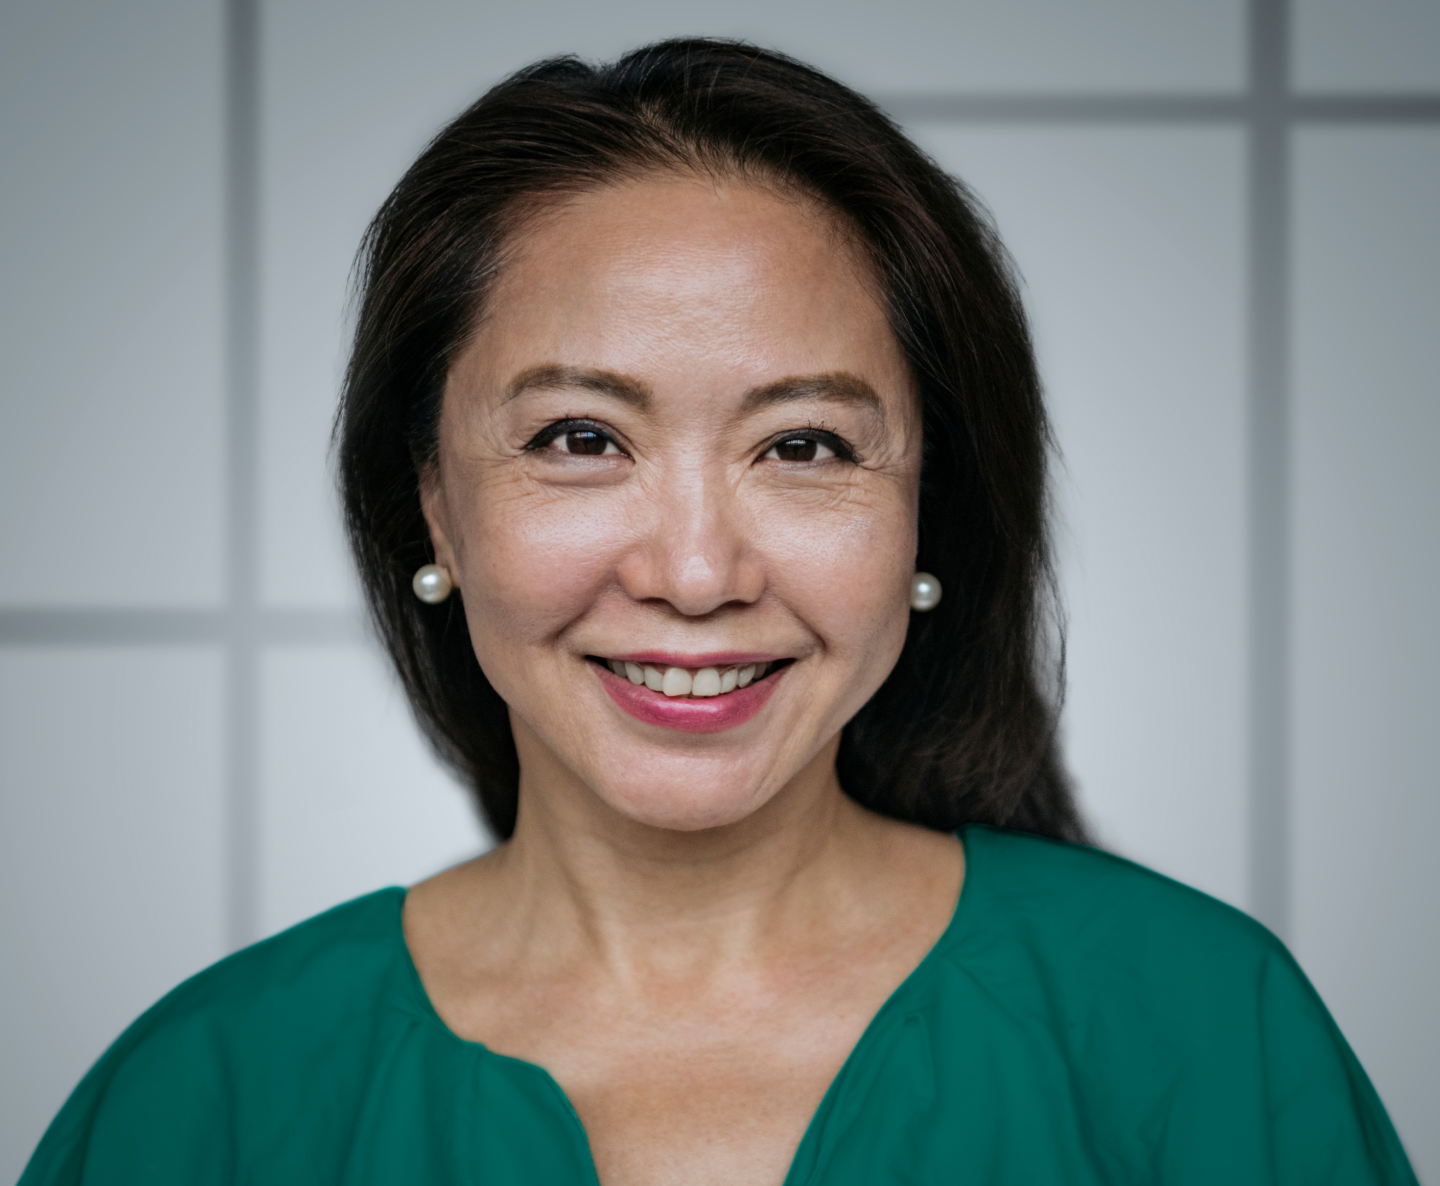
154,1109
1327,1124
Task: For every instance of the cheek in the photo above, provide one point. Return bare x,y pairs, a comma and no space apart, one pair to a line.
846,568
533,562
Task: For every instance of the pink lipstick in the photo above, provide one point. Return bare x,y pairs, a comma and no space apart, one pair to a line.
711,714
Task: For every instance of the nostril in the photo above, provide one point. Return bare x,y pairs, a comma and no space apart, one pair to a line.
694,562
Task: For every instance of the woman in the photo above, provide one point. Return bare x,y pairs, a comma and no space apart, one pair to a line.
693,458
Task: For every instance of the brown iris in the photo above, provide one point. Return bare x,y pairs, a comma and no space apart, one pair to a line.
585,441
796,449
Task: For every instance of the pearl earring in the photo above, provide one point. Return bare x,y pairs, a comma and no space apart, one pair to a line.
432,583
924,592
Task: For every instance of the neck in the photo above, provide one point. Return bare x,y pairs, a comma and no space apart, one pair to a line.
589,883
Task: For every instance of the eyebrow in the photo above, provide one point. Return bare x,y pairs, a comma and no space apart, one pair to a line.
835,387
554,378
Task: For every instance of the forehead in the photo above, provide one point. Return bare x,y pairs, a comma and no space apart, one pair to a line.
678,266
672,221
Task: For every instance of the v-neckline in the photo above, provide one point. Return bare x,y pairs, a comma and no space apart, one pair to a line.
869,1036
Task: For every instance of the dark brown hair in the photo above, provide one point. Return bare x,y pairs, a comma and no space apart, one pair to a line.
964,728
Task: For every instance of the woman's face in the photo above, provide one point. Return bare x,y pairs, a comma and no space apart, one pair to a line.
683,445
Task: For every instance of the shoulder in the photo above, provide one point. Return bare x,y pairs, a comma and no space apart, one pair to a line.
314,974
248,1032
1081,941
1079,902
1172,1016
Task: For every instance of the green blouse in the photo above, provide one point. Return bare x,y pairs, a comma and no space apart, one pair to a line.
1081,1020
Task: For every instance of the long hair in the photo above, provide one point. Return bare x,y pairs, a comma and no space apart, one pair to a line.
963,730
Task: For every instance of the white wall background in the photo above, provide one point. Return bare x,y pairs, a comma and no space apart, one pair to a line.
155,808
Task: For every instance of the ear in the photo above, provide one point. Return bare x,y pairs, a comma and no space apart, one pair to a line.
437,519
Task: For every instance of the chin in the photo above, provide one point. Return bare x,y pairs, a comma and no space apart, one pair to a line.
685,806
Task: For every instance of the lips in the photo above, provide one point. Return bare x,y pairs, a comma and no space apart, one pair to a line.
703,699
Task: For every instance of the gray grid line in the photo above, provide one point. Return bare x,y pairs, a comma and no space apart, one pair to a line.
1268,468
1063,108
1161,108
243,628
45,627
1354,109
242,356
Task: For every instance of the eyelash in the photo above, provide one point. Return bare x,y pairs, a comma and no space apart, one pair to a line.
836,444
552,432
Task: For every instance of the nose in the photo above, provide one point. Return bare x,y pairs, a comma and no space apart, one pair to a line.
695,548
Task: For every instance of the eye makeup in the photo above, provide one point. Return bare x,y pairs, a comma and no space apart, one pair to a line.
583,438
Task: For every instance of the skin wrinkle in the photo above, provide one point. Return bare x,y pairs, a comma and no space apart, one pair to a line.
696,928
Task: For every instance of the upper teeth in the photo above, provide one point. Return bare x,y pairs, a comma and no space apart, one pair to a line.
681,681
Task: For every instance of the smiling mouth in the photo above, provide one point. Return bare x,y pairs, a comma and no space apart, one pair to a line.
695,683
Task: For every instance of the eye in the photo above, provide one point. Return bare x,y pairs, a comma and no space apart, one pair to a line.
811,445
586,442
577,439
